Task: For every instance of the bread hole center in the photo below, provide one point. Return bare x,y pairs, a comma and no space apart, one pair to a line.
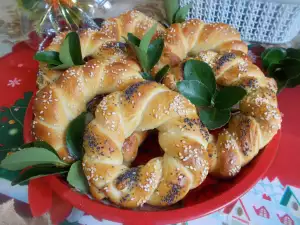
148,150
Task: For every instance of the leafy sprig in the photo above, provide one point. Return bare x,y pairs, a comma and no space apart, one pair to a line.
199,86
74,135
69,54
283,65
175,13
39,159
148,53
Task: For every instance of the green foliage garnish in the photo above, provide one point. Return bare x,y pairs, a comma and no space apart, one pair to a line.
49,57
161,73
68,56
176,14
182,13
74,134
38,171
154,52
228,97
39,144
40,159
195,91
11,132
214,118
145,42
76,177
283,65
201,71
199,86
148,53
147,76
30,157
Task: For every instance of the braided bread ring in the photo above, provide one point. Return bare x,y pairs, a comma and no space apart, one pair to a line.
259,118
190,37
163,180
60,102
112,30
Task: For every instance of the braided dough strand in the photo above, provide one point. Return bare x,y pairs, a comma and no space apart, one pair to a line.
59,103
112,30
259,118
193,36
163,180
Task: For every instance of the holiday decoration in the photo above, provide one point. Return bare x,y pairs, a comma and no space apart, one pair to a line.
48,16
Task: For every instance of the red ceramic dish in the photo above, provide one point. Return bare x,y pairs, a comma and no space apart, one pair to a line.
209,197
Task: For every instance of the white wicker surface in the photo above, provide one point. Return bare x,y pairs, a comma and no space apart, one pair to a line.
257,20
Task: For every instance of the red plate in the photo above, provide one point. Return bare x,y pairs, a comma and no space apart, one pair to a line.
209,197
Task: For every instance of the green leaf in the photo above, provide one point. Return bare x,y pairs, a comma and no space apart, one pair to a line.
59,67
276,71
75,48
39,144
77,178
195,91
154,52
291,67
182,13
30,157
293,82
38,171
161,73
74,134
133,39
49,57
70,51
171,7
214,118
281,85
272,55
293,53
147,76
147,38
286,73
229,96
142,57
202,72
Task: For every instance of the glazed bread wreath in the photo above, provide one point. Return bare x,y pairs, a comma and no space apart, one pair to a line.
181,39
112,30
65,93
259,118
190,37
111,140
163,180
59,103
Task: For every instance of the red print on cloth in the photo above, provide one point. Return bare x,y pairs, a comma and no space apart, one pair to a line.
18,73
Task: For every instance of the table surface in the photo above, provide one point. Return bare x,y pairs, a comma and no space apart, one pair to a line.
273,200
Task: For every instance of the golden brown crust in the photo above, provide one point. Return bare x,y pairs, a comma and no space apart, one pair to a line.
259,118
112,30
62,101
131,145
193,36
112,138
163,180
